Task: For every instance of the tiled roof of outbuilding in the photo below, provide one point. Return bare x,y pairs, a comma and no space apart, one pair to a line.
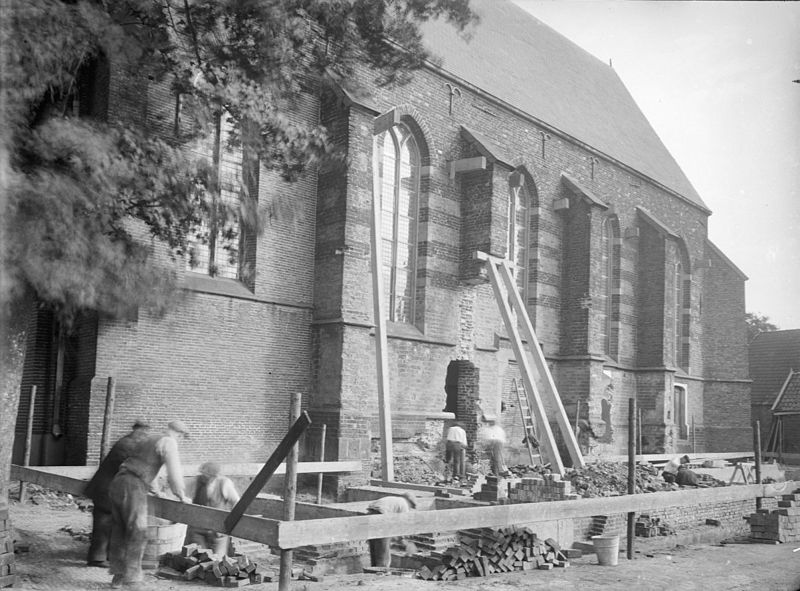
788,400
526,64
772,356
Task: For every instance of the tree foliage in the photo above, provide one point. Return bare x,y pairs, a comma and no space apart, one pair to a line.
88,198
756,324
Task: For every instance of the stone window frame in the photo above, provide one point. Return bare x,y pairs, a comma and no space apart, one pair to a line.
238,180
390,283
680,410
611,253
682,289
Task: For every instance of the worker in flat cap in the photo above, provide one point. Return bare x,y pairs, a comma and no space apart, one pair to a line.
218,491
128,494
380,548
97,490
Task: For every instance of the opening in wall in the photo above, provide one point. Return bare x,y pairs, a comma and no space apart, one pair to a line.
679,401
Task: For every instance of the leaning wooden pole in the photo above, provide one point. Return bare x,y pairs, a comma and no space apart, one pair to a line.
381,343
321,459
631,472
289,496
111,389
537,356
26,459
757,453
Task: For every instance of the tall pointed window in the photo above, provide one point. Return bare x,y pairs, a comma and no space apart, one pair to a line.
609,285
518,232
681,317
398,168
215,249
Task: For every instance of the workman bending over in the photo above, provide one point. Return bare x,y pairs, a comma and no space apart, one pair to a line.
218,491
379,548
97,490
128,492
671,468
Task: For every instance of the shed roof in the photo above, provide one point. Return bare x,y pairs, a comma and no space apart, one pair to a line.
772,356
524,63
788,399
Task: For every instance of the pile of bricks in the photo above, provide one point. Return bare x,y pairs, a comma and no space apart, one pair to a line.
322,559
7,568
781,524
649,527
547,487
194,563
485,551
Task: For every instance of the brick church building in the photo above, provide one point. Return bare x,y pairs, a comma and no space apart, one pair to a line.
519,144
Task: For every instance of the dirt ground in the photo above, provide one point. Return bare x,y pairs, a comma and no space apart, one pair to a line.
56,561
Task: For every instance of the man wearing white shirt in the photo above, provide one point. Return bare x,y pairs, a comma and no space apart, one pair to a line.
671,468
456,450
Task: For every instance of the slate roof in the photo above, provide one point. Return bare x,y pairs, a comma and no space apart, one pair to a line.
772,356
788,400
521,61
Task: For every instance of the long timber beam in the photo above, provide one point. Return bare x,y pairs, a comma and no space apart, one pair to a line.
250,527
332,528
238,469
328,531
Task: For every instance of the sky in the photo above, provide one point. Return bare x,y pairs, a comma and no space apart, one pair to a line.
715,81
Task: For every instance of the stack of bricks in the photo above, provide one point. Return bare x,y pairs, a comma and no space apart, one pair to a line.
194,563
7,568
648,527
485,551
781,524
433,542
493,490
339,558
547,487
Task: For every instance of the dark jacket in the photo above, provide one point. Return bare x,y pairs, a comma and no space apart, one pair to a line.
97,489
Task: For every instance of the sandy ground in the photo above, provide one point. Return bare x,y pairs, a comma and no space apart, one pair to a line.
56,561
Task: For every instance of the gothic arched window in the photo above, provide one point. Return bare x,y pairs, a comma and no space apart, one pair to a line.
518,234
398,169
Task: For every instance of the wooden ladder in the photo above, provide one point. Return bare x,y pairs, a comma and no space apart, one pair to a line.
527,422
532,364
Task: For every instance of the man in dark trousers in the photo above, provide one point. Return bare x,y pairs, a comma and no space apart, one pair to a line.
218,491
97,490
128,493
380,548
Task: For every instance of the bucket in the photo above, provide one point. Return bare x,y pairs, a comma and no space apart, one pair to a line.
607,549
162,536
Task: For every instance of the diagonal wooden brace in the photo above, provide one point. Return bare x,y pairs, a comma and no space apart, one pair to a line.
280,453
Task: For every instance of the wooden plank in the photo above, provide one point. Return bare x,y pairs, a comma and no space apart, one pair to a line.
248,527
290,495
696,458
267,471
273,509
418,487
550,390
547,439
105,439
379,318
328,531
233,469
257,529
60,482
26,458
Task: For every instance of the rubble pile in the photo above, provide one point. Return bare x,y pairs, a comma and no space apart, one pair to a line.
410,468
79,534
608,479
194,563
56,499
